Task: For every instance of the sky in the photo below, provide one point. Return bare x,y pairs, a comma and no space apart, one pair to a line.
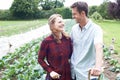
5,4
89,2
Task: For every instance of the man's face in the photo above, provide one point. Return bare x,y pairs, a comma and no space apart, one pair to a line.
76,15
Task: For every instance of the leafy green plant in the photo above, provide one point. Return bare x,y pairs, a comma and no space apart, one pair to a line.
1,64
117,66
22,64
113,62
107,55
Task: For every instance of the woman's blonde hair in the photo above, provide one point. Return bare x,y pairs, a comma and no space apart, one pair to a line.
51,22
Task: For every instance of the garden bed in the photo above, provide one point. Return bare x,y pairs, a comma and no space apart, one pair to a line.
111,75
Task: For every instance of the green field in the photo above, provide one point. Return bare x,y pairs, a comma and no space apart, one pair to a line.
8,28
111,30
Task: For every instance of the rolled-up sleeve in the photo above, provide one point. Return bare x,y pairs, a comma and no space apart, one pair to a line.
98,36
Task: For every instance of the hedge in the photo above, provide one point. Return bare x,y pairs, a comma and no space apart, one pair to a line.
65,12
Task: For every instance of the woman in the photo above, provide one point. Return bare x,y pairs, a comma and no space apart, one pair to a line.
57,50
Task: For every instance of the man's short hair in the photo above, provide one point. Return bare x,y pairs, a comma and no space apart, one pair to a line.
81,6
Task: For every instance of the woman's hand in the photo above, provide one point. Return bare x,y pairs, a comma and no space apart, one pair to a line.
54,75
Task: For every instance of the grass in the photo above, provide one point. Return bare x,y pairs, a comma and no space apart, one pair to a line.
8,28
111,30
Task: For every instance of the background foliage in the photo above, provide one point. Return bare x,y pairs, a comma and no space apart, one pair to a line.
38,9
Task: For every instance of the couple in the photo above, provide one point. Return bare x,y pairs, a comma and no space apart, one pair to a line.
70,58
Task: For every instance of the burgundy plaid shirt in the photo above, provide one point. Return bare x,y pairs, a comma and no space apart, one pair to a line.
57,56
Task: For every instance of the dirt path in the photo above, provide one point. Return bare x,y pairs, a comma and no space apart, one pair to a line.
8,44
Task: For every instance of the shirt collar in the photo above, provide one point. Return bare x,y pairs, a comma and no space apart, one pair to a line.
87,25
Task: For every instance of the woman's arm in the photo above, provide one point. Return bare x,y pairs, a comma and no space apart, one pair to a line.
42,54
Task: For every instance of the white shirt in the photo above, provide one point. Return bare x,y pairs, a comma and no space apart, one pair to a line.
83,56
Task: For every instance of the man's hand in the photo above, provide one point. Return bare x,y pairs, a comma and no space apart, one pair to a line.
95,71
54,75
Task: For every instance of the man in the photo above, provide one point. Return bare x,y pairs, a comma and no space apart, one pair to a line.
87,40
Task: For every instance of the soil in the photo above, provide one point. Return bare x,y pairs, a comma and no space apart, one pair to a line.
109,74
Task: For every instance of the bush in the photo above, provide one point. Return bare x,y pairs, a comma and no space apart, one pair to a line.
24,9
5,15
39,14
46,13
96,16
65,12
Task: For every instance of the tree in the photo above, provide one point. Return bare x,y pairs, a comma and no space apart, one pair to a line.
46,5
114,9
103,9
24,9
111,9
50,4
118,9
58,4
92,10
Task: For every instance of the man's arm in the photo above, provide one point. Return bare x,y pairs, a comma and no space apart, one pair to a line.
99,55
98,42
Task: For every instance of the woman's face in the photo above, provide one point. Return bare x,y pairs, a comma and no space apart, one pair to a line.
59,24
